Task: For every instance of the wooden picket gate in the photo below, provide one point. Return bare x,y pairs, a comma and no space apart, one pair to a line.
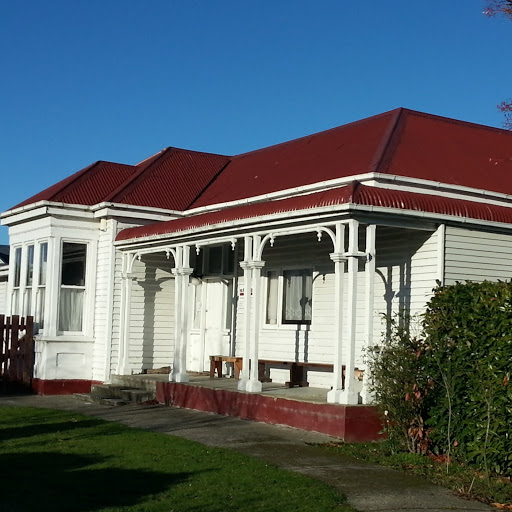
16,353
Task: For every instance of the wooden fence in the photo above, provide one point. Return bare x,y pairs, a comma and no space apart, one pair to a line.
16,353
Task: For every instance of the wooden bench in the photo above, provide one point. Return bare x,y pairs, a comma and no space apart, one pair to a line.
298,371
216,365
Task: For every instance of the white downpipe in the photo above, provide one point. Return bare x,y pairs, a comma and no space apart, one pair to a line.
349,395
370,301
334,395
245,264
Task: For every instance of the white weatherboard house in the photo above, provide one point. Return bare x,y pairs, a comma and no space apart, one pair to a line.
289,253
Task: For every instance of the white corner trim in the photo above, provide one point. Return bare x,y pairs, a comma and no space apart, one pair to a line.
441,244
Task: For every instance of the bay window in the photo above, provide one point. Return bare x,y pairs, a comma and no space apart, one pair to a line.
72,287
29,280
15,298
41,284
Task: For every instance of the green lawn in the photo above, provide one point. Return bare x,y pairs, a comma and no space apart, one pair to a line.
62,462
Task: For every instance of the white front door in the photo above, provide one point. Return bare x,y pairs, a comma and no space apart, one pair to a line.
209,335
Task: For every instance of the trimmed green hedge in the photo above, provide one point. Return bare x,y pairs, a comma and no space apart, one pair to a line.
448,389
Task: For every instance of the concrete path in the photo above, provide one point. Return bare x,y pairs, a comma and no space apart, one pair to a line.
368,488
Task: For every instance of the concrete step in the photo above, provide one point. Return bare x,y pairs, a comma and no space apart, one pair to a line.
117,394
87,397
84,397
147,382
110,391
137,395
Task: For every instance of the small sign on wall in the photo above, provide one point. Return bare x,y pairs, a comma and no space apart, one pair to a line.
241,291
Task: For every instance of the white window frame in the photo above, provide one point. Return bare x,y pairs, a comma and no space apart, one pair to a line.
28,308
87,287
38,286
17,267
280,324
225,271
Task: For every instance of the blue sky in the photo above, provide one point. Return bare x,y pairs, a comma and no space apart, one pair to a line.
121,79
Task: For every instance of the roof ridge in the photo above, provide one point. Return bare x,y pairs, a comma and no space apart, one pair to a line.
207,186
73,178
459,122
346,125
353,191
389,143
115,193
64,184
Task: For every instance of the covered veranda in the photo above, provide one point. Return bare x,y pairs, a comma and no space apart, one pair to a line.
351,237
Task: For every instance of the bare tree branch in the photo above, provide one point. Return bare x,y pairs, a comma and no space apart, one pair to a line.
499,7
502,8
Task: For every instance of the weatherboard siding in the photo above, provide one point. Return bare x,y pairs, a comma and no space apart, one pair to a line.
152,314
3,296
116,302
472,255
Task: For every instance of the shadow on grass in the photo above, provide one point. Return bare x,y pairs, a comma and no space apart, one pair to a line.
38,429
75,483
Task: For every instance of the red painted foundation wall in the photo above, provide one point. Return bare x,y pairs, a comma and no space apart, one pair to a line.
62,386
354,423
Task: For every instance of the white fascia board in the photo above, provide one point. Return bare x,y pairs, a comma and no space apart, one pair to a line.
40,209
107,209
105,213
30,211
439,218
34,206
4,270
70,212
477,195
23,216
392,181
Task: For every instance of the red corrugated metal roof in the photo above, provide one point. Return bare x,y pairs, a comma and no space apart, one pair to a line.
352,194
340,152
440,149
401,142
87,186
172,180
